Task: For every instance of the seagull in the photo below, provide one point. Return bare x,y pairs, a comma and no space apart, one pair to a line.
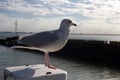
48,41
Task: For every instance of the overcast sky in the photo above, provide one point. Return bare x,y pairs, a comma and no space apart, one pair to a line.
92,16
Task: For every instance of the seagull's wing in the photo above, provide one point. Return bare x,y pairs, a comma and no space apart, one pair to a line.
40,39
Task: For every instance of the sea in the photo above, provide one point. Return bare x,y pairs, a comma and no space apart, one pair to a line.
77,69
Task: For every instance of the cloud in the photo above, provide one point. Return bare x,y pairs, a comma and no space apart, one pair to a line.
104,8
97,26
93,26
103,16
55,2
30,25
88,8
6,23
23,7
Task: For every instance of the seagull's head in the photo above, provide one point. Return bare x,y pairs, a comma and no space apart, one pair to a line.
67,23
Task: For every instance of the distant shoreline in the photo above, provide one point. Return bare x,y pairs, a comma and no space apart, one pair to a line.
70,33
73,36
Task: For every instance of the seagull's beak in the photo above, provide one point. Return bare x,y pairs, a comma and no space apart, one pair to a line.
73,24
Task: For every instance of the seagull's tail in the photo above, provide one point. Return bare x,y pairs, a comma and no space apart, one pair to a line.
23,47
17,46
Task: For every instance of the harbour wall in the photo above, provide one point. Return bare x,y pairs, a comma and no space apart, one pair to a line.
92,50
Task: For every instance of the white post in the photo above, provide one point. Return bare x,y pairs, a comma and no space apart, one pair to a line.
16,27
37,71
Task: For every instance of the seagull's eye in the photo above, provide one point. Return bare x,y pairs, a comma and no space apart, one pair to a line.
70,21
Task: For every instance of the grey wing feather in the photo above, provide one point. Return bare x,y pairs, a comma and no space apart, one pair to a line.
40,39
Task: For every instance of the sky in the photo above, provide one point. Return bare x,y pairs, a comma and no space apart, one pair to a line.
91,16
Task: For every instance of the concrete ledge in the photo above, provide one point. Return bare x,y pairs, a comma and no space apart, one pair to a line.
33,72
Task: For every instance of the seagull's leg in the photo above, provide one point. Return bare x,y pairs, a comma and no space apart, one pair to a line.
47,61
49,65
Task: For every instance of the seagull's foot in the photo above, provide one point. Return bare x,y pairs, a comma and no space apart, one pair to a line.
46,65
51,67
